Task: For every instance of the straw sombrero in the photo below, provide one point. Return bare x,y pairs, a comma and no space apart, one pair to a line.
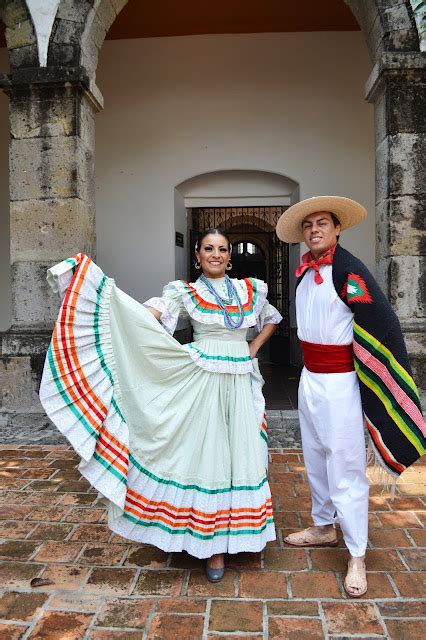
349,213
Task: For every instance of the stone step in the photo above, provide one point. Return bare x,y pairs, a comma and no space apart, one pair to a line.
36,428
283,428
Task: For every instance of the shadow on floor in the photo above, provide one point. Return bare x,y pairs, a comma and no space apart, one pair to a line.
281,382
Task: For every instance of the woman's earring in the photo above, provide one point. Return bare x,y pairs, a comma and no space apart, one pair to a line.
229,266
197,265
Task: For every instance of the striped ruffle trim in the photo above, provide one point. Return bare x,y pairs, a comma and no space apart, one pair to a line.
219,363
201,521
201,306
79,392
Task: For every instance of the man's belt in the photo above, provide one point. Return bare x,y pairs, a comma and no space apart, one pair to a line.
328,358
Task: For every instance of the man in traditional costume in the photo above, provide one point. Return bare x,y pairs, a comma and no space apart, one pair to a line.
356,369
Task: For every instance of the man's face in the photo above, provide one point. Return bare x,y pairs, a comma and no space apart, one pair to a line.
319,232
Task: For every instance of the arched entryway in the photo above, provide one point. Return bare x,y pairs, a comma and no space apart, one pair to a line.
248,206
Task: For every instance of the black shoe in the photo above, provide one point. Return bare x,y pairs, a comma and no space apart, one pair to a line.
214,575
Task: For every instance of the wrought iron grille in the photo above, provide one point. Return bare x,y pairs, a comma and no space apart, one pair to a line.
251,224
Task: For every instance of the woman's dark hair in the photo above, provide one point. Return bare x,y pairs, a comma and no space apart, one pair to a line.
214,231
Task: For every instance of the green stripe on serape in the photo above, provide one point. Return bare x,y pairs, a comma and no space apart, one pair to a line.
406,425
375,347
377,355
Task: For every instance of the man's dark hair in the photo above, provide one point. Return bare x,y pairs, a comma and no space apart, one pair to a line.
336,222
335,219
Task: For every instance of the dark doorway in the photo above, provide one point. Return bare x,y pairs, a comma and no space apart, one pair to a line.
248,260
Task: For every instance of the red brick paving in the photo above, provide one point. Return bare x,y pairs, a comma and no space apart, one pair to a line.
108,588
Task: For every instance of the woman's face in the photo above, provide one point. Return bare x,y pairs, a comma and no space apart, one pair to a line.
213,255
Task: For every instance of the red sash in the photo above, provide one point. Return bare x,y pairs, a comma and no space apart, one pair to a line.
328,358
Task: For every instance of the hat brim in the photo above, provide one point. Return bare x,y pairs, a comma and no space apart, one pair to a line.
348,212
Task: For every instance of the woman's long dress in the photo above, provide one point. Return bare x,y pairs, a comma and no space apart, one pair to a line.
173,436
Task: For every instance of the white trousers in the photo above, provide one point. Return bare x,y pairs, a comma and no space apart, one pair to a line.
332,426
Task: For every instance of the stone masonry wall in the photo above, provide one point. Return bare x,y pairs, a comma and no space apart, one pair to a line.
52,179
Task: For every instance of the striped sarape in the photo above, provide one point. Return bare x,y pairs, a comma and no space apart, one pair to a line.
179,452
389,396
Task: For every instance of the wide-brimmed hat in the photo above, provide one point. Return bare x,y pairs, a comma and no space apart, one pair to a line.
348,212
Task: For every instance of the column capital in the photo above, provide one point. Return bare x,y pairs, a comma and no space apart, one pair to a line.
20,80
408,65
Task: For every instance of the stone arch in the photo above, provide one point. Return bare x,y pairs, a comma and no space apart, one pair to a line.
76,35
387,26
99,20
79,31
20,34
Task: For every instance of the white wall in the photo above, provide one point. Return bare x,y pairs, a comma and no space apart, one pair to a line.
288,103
181,258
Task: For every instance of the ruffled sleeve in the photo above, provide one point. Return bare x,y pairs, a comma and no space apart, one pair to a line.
266,313
170,306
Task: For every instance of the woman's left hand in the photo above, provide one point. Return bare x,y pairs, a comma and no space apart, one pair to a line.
253,348
267,331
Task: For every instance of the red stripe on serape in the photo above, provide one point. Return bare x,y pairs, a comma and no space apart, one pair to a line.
382,372
382,449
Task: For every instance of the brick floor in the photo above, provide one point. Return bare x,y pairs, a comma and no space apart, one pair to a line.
103,587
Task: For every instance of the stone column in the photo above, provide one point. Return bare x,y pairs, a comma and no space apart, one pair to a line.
396,87
51,163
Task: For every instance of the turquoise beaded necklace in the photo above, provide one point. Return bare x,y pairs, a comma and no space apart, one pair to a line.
224,302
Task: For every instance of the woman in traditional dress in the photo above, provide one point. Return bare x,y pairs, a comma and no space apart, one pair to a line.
173,436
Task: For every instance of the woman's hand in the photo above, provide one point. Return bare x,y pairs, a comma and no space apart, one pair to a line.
254,347
267,331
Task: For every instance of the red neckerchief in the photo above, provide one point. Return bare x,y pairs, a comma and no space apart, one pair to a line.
308,262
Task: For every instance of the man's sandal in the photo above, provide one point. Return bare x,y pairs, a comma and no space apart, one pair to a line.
355,583
306,538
